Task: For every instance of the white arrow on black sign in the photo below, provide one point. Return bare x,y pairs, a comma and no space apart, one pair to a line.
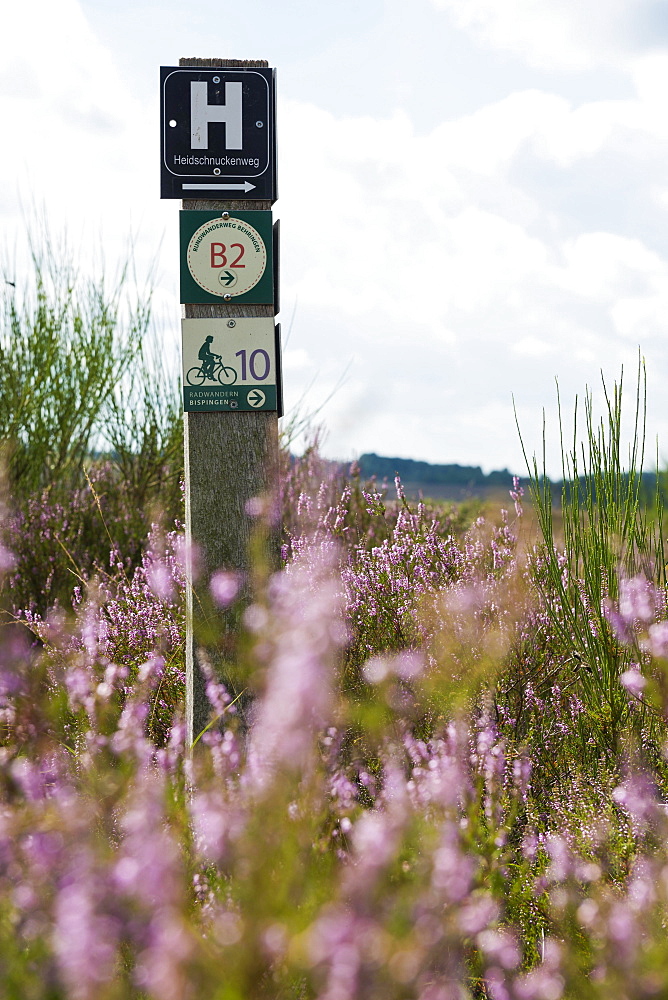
246,186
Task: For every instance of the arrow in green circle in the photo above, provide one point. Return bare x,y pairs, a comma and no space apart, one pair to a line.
256,397
226,278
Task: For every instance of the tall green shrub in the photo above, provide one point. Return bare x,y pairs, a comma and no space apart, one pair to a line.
63,349
90,423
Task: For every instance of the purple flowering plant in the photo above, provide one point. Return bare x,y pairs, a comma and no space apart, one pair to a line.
447,779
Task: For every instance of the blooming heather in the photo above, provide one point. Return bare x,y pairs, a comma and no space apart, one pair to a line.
416,805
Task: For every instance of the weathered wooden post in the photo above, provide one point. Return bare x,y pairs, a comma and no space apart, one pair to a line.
218,156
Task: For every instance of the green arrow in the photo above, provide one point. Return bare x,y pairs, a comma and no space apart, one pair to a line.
226,278
256,397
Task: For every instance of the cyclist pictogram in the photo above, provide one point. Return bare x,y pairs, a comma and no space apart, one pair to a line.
211,368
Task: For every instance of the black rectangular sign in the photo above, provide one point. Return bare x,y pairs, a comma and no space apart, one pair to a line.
217,133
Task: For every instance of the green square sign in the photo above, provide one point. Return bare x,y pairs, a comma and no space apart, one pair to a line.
231,364
227,257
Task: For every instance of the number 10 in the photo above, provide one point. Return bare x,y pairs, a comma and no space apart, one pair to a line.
252,365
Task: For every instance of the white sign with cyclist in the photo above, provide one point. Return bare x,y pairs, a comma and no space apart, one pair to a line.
229,364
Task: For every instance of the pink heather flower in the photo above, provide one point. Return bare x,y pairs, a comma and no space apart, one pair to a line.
94,631
560,857
495,984
159,579
79,687
620,923
407,665
229,929
148,866
587,913
255,507
215,691
637,796
633,681
129,736
453,870
7,559
617,622
162,968
305,629
530,844
187,556
477,914
224,588
29,777
215,822
152,669
170,756
642,890
499,946
255,618
636,599
542,983
112,674
522,775
376,669
275,940
373,838
304,504
517,493
658,639
335,941
85,939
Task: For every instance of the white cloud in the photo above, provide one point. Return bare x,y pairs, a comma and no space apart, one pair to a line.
571,35
532,347
604,266
296,360
80,146
450,268
470,286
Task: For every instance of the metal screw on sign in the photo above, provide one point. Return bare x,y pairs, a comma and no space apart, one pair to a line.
231,323
226,216
227,297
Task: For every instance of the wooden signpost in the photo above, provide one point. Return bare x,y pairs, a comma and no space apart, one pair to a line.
218,156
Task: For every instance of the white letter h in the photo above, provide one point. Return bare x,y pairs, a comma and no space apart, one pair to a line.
201,113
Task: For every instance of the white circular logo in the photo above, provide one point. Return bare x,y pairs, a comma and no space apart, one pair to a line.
226,256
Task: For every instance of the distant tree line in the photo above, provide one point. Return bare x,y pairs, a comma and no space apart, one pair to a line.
472,477
411,471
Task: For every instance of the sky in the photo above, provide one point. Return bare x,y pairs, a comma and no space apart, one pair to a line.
473,198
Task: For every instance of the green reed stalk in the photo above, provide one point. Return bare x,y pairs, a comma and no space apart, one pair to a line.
609,528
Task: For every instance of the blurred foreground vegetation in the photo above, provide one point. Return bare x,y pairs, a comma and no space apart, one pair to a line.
448,780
